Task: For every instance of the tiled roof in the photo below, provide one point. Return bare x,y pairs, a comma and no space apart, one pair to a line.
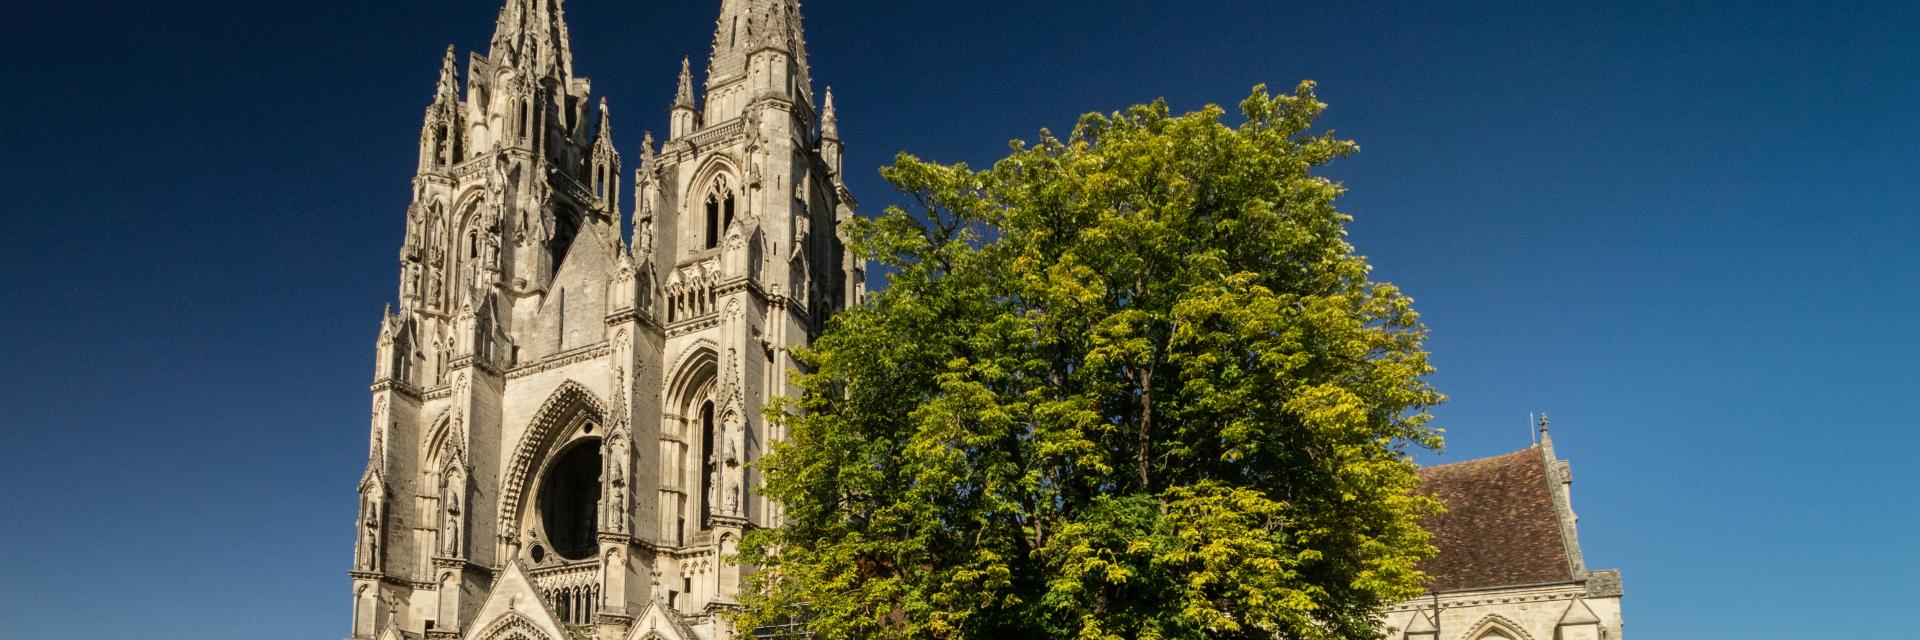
1501,527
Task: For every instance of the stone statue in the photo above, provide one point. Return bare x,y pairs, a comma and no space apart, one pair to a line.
713,486
730,456
643,234
450,529
617,506
434,288
410,281
370,536
620,384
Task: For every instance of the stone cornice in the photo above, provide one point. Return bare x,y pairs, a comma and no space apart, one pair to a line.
614,619
711,136
693,325
461,564
576,356
470,361
396,386
1494,596
629,314
385,579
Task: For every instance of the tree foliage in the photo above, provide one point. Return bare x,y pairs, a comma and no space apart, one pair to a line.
1130,384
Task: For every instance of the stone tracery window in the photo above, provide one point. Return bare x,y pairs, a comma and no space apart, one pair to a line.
720,208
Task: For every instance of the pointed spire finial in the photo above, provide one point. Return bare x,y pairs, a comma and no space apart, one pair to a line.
683,97
532,35
605,125
449,76
829,122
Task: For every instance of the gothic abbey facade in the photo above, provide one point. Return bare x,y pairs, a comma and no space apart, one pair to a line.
564,415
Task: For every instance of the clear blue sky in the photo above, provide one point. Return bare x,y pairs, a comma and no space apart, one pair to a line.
1688,232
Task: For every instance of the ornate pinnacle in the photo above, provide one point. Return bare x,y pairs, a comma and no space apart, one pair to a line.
605,134
829,123
684,96
449,88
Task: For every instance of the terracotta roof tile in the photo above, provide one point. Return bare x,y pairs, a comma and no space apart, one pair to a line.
1501,527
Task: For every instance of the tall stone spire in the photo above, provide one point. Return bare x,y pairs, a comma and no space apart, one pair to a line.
532,34
750,26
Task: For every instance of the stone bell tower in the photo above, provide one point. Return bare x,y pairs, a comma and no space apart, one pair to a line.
564,421
740,209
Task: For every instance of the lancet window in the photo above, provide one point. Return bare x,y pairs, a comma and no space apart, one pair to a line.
720,209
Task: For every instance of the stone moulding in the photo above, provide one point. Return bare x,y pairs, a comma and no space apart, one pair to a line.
1496,621
513,626
1477,598
566,401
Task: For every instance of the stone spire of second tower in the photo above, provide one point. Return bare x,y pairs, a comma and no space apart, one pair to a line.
747,27
532,35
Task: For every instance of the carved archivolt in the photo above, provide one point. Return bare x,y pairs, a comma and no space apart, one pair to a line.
513,626
697,366
1496,626
716,167
567,402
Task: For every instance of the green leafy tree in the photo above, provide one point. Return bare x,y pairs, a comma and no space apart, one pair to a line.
1130,384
